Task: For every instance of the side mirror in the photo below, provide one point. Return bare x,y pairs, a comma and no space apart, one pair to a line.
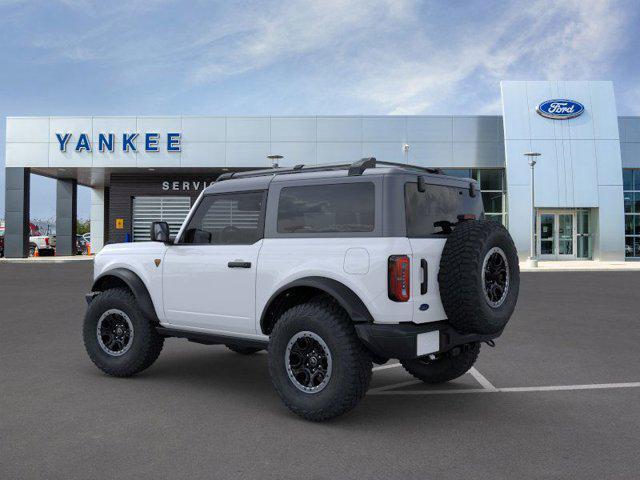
160,232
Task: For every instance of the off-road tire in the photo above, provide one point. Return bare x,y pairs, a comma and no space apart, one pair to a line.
351,364
448,366
244,350
460,277
147,342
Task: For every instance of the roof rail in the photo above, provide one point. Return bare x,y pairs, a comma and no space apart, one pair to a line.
435,171
356,168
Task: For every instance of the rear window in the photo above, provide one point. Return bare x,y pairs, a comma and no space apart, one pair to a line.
345,207
435,211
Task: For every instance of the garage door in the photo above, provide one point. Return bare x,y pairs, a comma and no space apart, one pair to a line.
172,210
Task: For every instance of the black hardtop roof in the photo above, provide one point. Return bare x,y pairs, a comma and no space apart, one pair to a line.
260,179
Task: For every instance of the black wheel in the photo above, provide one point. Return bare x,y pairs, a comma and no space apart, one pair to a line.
32,249
117,336
244,350
444,367
479,277
318,366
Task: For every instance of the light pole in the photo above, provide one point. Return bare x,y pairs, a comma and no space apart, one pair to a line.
405,152
533,260
275,160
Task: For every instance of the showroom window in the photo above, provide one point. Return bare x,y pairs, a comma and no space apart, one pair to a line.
631,182
492,187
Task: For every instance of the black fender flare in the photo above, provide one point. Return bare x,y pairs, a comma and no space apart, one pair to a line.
135,284
347,298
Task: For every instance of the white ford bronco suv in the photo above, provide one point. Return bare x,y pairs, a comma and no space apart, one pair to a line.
329,269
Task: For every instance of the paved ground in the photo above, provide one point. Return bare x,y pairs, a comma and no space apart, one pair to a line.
204,412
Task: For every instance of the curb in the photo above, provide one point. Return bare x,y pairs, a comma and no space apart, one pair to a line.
46,260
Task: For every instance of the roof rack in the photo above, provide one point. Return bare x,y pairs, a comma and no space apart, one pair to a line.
354,169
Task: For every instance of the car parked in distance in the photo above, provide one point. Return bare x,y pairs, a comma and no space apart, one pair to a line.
81,245
44,243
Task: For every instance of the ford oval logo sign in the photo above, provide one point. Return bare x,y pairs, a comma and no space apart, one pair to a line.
560,109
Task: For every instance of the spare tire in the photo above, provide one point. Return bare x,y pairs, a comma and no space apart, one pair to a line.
479,277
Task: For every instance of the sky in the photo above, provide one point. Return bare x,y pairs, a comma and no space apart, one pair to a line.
147,57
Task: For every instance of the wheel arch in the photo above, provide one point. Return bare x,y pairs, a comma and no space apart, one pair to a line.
125,278
306,288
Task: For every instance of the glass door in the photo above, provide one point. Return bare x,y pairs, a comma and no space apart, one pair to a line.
546,227
556,235
566,233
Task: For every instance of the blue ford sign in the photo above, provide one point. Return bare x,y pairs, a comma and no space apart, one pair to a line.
107,142
560,109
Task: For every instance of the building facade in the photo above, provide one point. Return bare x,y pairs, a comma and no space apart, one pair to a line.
587,177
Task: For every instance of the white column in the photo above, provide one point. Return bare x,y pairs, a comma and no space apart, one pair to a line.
97,219
610,224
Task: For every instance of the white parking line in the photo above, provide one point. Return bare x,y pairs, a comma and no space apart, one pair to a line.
387,365
550,388
481,379
588,386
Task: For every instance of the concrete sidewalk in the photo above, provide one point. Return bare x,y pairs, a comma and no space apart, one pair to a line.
47,260
579,266
543,266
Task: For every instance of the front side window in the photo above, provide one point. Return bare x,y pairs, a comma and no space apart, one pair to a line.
345,207
228,219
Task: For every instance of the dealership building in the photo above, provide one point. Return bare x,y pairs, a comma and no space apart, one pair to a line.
139,169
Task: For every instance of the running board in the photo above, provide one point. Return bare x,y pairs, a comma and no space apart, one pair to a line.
212,338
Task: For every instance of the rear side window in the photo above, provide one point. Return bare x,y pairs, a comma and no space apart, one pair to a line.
435,211
345,207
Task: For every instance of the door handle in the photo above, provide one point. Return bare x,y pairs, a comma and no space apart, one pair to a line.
425,276
239,264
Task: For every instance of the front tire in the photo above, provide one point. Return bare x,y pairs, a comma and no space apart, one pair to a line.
449,366
317,364
118,338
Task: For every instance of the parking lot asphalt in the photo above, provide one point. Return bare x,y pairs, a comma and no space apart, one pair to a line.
205,412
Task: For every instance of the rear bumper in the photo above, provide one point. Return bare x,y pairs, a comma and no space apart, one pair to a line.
407,340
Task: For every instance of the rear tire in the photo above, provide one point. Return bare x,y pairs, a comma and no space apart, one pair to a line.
318,366
244,350
449,366
118,338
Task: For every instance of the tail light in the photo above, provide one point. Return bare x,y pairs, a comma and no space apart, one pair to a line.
46,241
399,278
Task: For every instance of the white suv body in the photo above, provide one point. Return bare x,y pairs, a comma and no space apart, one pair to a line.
360,245
236,305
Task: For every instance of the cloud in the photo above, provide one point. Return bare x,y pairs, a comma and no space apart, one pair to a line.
293,30
540,40
390,56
